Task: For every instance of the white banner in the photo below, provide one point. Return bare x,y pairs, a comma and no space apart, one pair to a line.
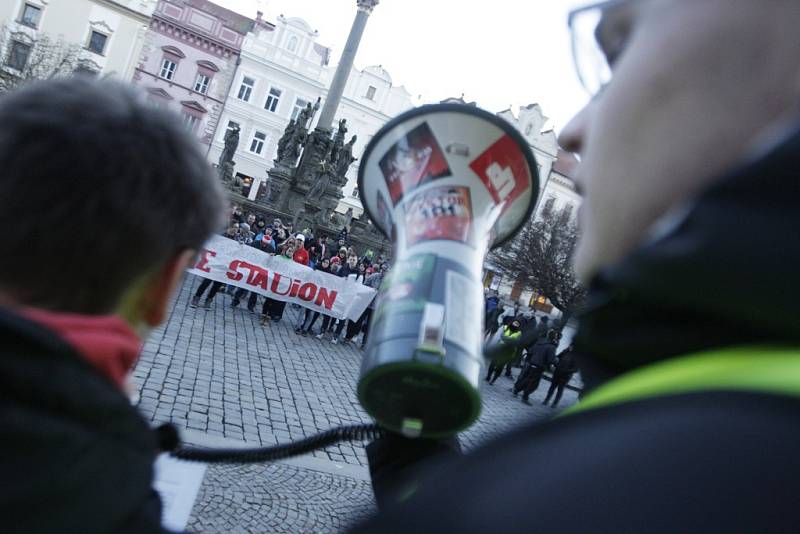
227,261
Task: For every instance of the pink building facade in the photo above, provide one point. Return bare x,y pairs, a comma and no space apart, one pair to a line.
189,60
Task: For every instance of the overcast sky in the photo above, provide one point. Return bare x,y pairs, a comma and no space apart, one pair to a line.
499,53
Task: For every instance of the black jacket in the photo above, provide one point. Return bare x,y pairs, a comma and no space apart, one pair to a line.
543,354
75,456
724,273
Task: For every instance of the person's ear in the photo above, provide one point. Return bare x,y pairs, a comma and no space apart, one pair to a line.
157,296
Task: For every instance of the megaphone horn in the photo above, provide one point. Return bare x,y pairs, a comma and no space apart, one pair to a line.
445,183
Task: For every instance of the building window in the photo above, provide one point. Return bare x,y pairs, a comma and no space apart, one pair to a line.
190,121
97,42
299,105
292,46
31,15
18,55
355,192
201,84
371,92
257,144
246,89
272,99
167,69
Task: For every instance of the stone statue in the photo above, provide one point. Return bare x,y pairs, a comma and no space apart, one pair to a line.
226,172
305,115
231,144
317,145
346,158
320,184
348,217
288,133
338,142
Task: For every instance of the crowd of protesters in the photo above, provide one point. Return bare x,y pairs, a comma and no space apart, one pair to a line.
529,344
334,256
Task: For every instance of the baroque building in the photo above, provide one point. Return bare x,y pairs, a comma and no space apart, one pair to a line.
283,69
189,59
110,33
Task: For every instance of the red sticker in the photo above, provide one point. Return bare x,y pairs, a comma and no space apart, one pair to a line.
439,213
503,170
413,160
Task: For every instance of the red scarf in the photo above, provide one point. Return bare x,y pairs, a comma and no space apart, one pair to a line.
106,341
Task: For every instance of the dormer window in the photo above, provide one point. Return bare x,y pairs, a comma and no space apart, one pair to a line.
292,44
371,90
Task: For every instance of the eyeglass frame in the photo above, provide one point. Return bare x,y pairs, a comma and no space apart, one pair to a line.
571,16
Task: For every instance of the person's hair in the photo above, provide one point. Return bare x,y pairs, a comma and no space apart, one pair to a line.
117,189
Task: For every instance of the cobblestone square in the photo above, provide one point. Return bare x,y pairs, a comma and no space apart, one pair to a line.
226,380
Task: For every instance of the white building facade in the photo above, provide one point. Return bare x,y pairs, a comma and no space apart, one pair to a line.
556,192
110,32
282,69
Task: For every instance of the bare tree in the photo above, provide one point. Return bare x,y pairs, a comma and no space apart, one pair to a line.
540,256
23,58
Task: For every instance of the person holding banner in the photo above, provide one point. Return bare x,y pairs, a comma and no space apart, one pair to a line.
310,317
351,272
273,309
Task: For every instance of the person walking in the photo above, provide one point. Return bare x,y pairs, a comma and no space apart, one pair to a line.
565,367
506,352
539,360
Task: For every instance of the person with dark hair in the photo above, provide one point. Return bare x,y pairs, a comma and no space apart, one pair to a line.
310,317
355,273
272,309
565,367
230,233
74,311
541,357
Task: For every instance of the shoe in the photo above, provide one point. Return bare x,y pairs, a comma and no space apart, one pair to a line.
195,302
207,304
526,401
304,333
510,376
264,320
320,335
234,303
335,341
251,309
298,330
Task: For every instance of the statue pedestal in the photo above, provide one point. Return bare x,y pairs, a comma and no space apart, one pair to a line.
280,181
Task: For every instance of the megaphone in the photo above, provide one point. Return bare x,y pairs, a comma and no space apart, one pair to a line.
445,183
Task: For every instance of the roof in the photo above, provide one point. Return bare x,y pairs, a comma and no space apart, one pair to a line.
565,163
230,19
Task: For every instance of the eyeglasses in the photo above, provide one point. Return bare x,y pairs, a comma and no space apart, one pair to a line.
599,34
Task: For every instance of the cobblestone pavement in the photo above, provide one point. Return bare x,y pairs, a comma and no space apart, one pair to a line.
220,374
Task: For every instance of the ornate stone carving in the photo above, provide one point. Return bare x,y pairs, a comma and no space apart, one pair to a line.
231,144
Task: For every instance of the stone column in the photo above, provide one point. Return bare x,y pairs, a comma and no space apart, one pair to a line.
365,8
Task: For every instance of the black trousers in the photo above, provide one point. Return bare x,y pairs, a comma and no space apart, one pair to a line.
327,323
273,308
528,380
494,371
204,284
557,386
240,294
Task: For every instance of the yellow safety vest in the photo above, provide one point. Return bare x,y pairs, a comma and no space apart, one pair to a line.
752,368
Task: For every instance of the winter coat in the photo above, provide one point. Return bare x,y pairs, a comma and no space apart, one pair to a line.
76,456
